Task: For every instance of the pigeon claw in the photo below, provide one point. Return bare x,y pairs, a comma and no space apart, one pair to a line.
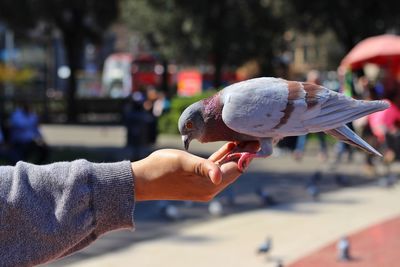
242,158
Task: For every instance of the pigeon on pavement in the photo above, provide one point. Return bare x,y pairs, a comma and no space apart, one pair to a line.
267,109
265,247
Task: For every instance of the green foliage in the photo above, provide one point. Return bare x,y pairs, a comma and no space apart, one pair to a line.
351,21
64,14
168,123
226,32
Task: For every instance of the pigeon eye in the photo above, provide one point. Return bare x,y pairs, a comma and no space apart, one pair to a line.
189,125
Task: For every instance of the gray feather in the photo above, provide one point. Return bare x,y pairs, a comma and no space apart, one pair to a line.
261,107
343,114
345,134
254,107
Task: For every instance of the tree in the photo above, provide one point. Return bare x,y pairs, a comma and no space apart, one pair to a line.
351,21
78,20
223,32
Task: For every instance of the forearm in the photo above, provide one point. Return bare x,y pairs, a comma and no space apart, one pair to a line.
51,211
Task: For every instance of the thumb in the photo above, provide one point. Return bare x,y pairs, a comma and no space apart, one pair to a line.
202,167
210,170
214,173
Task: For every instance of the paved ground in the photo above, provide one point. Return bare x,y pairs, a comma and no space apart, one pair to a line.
297,225
296,230
375,246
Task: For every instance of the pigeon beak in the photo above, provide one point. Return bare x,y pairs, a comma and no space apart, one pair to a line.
186,141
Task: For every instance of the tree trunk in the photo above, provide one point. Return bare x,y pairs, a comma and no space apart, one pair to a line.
218,64
165,77
218,55
74,47
218,42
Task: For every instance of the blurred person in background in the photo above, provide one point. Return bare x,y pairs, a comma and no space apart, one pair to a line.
25,137
149,106
313,76
358,86
141,114
368,89
7,155
136,120
3,152
385,127
161,105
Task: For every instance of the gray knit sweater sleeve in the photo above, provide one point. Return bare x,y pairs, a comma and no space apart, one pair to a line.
50,211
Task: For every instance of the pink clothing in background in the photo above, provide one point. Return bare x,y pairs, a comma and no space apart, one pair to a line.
384,121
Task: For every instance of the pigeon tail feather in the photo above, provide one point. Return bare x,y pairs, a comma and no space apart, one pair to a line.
345,134
340,116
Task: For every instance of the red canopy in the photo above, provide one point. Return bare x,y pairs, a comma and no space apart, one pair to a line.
383,50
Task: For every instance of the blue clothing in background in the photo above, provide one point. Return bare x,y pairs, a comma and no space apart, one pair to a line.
24,127
1,137
302,140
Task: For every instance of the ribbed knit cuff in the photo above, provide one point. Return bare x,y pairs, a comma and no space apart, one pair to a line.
113,196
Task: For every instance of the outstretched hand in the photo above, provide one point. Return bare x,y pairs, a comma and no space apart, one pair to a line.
170,174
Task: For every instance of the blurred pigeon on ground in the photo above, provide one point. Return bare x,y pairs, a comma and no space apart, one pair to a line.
265,247
341,180
266,199
313,191
268,109
312,185
387,180
169,211
215,208
343,249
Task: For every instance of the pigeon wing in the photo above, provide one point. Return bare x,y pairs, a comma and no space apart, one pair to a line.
271,107
253,107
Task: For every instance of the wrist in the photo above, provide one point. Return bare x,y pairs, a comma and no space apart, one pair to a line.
139,184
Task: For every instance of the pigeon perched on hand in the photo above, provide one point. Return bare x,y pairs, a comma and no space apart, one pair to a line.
268,109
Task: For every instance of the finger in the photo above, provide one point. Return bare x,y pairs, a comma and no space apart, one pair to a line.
202,167
230,172
220,153
213,172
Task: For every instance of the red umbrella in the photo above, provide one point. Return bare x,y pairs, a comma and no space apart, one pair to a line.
383,50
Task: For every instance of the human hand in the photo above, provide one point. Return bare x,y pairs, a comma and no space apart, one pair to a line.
170,174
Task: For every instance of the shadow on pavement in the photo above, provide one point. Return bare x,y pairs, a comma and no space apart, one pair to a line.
284,188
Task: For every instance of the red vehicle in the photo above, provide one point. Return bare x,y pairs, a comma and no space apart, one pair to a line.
146,71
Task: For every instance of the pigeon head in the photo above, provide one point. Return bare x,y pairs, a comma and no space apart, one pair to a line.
191,124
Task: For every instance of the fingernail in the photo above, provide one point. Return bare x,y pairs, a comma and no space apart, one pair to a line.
215,180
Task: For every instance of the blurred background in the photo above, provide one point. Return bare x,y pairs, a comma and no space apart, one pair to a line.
108,80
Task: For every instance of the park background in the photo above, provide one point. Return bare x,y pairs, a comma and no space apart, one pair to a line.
109,79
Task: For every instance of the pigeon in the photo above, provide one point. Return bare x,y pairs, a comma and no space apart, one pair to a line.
343,249
265,247
215,208
313,191
266,199
267,109
169,211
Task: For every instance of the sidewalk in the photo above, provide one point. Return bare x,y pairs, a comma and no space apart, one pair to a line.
375,246
296,230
